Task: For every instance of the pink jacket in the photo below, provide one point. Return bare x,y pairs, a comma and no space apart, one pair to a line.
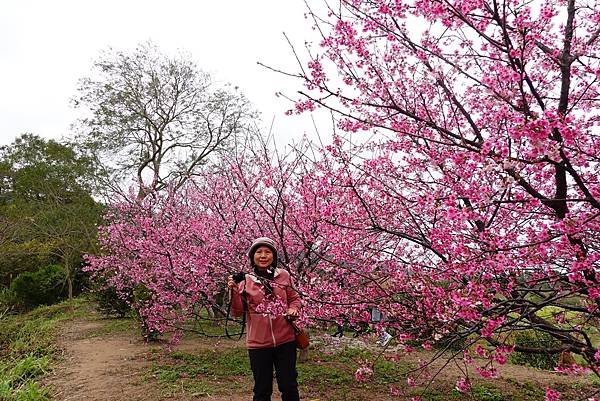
264,330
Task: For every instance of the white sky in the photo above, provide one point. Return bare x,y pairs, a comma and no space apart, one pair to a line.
46,46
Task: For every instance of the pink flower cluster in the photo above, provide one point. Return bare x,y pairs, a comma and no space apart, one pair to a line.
552,395
463,385
363,374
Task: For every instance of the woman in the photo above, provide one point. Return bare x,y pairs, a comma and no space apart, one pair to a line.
270,337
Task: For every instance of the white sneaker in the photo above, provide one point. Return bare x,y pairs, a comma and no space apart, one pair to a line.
384,339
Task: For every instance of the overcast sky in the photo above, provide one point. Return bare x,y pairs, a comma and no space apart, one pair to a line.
46,46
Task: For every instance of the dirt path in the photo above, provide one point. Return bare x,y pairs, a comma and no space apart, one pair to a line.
99,367
108,367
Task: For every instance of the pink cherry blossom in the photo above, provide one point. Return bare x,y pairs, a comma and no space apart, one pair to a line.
363,374
552,395
463,385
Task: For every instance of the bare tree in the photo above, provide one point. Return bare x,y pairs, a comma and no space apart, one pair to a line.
156,117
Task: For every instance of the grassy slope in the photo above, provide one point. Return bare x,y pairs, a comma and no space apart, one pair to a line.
28,349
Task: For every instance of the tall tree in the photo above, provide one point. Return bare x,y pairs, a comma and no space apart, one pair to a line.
156,117
48,205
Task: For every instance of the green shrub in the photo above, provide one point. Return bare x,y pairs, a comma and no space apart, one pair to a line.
111,303
43,287
142,295
535,339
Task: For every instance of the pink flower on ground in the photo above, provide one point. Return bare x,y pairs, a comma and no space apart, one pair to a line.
363,374
552,395
463,385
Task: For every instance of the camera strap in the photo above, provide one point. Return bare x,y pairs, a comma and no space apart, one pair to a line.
228,318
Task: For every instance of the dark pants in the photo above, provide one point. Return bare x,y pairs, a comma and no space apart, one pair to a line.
283,357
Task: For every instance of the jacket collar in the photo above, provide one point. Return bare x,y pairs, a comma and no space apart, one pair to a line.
255,278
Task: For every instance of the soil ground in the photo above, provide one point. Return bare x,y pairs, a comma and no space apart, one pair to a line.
112,365
99,367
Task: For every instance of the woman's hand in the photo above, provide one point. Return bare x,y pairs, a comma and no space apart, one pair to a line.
230,282
292,314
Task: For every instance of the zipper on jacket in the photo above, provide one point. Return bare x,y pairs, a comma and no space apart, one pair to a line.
272,334
248,335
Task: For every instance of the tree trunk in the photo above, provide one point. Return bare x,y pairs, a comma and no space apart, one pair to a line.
70,286
69,277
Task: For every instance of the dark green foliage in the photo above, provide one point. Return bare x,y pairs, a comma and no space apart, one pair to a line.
47,212
110,303
535,339
43,287
141,295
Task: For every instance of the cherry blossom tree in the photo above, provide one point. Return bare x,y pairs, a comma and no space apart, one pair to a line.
478,184
172,250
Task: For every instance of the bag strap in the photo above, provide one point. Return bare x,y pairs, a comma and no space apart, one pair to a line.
229,318
294,326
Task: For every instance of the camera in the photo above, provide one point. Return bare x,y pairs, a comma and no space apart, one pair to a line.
239,277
